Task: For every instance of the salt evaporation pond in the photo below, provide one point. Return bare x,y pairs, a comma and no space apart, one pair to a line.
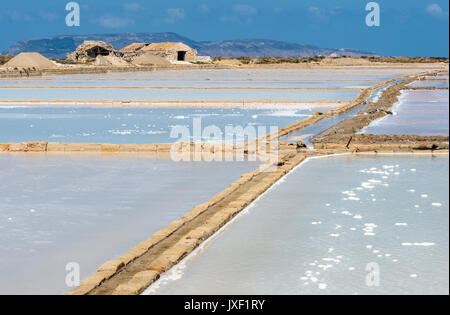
255,73
436,77
319,229
430,83
418,112
190,83
76,94
90,209
135,125
307,133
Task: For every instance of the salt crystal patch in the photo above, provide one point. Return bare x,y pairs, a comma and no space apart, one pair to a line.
322,286
367,185
424,244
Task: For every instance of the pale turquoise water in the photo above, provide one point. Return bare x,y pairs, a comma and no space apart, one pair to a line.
60,209
317,231
135,125
307,133
267,73
430,83
189,83
437,77
249,76
418,112
181,94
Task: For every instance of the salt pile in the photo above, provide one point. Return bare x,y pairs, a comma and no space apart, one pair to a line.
30,60
149,59
109,61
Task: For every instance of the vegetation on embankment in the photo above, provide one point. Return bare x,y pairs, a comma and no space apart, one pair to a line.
322,60
5,59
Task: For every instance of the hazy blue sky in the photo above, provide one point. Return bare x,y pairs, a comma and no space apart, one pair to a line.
408,27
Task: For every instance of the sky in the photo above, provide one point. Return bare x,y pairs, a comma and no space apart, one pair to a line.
407,27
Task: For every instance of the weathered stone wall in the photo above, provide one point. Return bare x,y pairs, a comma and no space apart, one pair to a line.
172,55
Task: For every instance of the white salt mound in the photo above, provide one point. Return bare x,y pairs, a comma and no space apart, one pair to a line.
149,59
30,60
109,61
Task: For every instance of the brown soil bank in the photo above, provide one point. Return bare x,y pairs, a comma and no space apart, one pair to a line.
378,143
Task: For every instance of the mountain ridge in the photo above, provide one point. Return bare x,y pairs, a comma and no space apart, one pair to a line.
58,46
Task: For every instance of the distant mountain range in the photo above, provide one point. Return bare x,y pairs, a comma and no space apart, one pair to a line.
59,46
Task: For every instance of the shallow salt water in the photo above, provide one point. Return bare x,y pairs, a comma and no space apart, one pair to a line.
90,209
318,230
255,73
9,94
430,83
418,112
307,133
135,125
189,83
437,77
